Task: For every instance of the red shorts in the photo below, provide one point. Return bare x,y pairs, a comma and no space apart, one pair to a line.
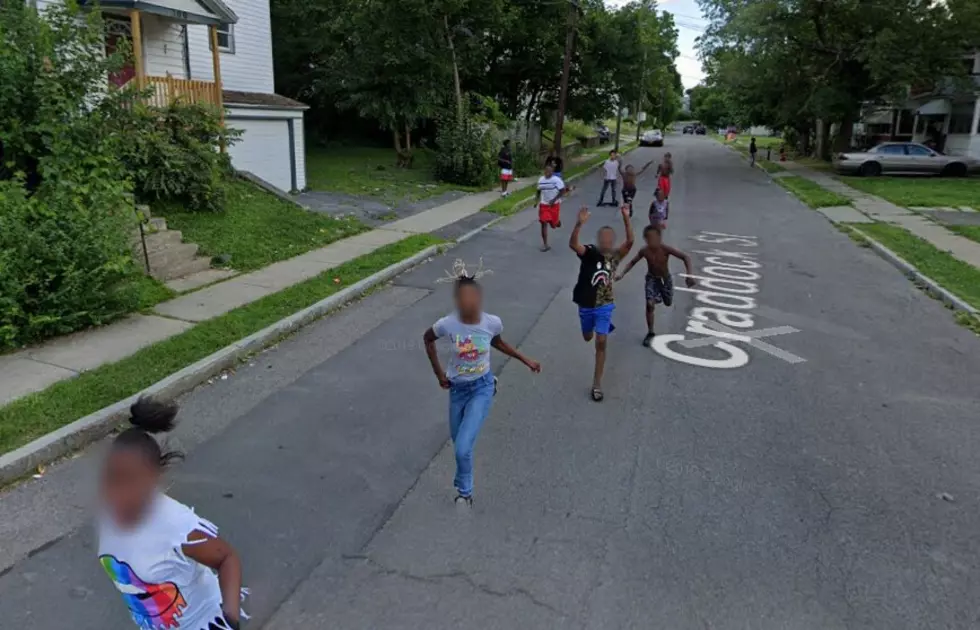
663,183
550,214
506,175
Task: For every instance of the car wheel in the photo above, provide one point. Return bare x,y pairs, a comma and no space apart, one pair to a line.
956,169
870,169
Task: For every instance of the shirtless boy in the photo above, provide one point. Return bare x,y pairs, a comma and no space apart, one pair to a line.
659,284
629,183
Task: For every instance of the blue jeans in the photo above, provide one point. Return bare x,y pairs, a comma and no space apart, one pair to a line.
469,405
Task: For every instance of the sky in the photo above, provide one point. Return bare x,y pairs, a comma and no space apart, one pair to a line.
690,24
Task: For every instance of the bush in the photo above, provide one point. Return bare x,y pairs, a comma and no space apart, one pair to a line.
172,155
525,162
466,152
65,213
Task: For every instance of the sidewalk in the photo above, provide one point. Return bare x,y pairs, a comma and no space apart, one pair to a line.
878,209
35,368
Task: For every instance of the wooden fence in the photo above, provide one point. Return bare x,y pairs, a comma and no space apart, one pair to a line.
166,90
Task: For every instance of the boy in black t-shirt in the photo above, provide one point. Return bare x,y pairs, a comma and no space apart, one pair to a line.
594,291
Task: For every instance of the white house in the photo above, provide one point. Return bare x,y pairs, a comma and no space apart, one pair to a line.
218,52
952,112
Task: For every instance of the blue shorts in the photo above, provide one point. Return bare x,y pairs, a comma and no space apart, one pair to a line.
598,319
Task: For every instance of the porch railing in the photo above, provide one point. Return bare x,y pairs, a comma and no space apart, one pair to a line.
166,90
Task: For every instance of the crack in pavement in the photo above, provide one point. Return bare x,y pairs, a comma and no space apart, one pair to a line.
437,578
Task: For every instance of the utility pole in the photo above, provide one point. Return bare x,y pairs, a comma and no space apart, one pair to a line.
619,121
566,70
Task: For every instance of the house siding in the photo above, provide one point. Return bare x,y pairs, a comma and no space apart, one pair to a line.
163,47
249,68
300,150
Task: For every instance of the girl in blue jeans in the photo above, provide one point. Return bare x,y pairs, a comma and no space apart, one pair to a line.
468,378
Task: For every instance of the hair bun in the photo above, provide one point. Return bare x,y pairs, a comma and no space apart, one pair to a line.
153,416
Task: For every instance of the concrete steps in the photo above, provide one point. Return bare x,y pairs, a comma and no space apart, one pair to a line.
169,256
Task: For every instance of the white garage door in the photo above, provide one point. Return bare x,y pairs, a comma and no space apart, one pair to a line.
263,150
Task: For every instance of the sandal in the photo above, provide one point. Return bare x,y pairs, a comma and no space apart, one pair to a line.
597,394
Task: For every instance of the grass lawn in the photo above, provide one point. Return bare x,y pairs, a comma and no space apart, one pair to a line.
971,232
258,228
30,417
958,277
921,191
371,172
152,292
815,164
812,194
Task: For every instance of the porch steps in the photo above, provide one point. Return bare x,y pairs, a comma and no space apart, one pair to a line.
169,256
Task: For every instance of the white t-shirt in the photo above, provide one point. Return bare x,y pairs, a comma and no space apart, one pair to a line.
612,169
163,588
550,188
470,357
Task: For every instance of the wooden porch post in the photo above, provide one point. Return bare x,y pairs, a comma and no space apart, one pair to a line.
216,65
137,34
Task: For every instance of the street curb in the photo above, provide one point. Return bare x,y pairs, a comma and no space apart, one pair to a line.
84,431
58,443
912,273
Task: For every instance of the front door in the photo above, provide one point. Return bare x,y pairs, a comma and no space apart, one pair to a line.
119,38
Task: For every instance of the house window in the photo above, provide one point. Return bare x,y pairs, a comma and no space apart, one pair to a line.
961,120
226,38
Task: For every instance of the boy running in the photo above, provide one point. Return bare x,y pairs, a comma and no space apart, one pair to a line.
664,171
593,292
551,189
610,173
629,183
659,209
505,161
555,162
659,284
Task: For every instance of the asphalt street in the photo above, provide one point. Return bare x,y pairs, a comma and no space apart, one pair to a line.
825,478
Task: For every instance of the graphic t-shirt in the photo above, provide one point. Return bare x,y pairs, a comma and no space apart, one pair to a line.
595,278
659,209
612,169
550,189
470,357
163,588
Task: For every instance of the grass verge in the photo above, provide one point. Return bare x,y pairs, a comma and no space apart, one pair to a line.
971,232
514,203
956,276
30,417
371,172
811,193
258,228
930,192
152,292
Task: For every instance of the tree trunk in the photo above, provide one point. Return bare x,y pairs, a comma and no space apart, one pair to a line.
452,54
408,137
823,139
846,131
398,140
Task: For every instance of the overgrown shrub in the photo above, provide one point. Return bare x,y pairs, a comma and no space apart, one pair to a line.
65,213
172,155
525,162
466,152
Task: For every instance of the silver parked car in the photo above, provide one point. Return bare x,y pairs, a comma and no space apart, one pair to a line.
904,158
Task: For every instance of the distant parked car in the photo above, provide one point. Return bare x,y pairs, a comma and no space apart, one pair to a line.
688,129
652,138
700,130
904,158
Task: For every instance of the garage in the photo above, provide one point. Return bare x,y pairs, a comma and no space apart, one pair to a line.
270,146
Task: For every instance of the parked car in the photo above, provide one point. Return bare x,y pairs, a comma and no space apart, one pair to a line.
652,138
688,129
700,130
904,158
603,132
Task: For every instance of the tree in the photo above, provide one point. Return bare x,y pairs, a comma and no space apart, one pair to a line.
795,61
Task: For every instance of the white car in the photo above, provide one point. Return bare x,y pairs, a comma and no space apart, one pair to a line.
652,138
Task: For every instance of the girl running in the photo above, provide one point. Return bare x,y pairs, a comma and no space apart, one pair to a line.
659,210
469,380
169,564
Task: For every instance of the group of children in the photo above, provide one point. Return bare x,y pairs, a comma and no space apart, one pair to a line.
171,566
